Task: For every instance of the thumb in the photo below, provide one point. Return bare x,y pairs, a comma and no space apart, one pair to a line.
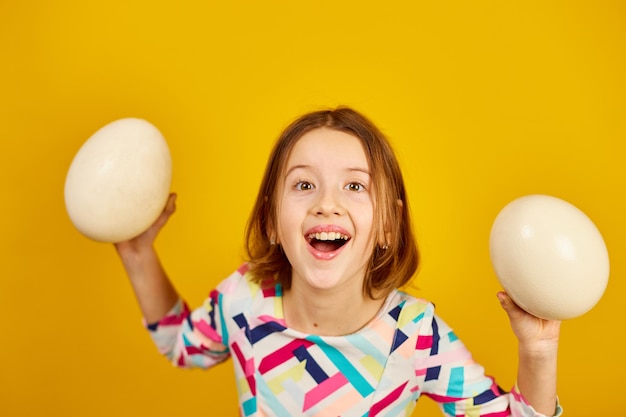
508,304
168,210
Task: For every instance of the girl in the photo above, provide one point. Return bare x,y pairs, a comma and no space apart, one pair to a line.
314,321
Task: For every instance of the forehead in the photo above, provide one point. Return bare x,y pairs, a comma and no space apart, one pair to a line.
328,147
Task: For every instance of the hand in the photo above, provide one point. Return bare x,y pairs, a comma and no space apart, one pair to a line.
154,291
533,333
146,239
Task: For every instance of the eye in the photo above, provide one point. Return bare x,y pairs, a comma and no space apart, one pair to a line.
355,186
304,186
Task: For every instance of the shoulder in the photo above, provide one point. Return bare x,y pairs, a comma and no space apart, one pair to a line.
408,308
239,289
416,316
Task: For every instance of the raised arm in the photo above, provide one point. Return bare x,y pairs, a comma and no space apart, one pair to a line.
154,291
538,349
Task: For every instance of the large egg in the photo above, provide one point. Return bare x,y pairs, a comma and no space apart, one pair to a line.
119,181
549,257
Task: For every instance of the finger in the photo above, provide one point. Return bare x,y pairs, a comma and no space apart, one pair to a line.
508,304
170,208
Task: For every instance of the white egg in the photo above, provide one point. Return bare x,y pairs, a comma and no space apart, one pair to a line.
119,181
549,257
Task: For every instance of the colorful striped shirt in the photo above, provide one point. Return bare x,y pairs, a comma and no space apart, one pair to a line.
405,352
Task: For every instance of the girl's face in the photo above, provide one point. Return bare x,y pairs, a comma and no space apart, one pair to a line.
326,211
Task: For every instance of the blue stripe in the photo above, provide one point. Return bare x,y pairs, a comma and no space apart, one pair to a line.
435,347
357,340
449,409
222,321
269,398
263,330
344,366
485,397
455,385
418,317
249,406
395,312
432,373
311,366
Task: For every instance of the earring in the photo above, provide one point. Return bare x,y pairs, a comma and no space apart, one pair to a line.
384,247
272,242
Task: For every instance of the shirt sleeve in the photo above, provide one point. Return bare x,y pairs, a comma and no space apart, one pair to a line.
192,339
452,378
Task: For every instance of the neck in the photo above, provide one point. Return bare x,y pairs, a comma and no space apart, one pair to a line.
328,312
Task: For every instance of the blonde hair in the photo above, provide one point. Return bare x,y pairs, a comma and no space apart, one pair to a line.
394,260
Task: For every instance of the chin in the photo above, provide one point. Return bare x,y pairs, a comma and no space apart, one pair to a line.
322,283
328,280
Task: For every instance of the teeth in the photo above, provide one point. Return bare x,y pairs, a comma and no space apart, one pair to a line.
328,236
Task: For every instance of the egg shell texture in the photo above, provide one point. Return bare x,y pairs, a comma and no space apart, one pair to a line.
549,257
119,181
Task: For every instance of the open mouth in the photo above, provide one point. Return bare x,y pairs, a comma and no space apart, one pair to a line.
327,241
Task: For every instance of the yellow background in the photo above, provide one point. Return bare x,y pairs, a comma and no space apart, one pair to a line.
485,101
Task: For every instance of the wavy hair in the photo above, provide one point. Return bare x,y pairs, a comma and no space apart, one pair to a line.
394,260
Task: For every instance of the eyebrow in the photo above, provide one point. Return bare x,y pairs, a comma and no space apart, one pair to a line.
351,169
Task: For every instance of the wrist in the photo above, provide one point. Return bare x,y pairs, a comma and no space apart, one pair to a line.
136,256
543,349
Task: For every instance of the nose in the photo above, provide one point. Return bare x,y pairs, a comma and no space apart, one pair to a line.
328,203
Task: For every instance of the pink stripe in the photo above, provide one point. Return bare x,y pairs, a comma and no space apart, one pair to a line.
340,405
267,319
505,413
518,395
323,390
171,320
442,398
393,395
424,342
457,355
175,319
206,330
494,386
268,288
247,366
192,350
282,355
243,269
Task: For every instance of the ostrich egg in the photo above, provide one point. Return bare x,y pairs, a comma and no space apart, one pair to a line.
549,257
119,181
